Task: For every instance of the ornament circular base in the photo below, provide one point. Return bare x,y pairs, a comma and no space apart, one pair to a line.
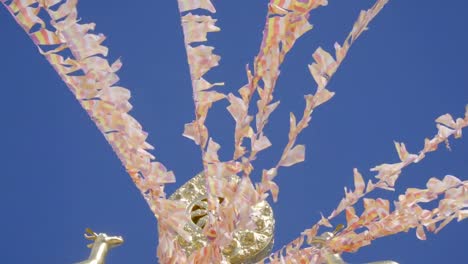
247,246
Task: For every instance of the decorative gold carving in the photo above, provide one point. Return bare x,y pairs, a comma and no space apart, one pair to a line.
248,246
101,245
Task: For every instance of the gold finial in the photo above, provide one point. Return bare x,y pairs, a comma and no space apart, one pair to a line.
248,246
100,246
335,258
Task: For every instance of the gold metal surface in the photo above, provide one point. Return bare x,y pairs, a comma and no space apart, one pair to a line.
101,245
248,246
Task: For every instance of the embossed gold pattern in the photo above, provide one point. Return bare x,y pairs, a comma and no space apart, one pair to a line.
248,246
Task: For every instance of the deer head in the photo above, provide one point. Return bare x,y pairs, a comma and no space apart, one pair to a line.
111,241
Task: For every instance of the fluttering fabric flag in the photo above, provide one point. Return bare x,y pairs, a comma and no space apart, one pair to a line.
91,78
79,57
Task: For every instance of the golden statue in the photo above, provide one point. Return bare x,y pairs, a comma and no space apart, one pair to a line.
101,245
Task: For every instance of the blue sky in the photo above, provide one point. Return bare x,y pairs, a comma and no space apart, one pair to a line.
59,176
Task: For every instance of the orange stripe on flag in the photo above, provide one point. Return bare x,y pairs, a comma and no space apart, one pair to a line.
17,5
28,17
45,37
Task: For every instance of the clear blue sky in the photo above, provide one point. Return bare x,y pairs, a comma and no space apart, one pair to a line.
58,174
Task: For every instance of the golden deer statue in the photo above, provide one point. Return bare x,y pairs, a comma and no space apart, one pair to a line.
100,247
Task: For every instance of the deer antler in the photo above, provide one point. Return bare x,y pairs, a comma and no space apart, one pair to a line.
90,234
